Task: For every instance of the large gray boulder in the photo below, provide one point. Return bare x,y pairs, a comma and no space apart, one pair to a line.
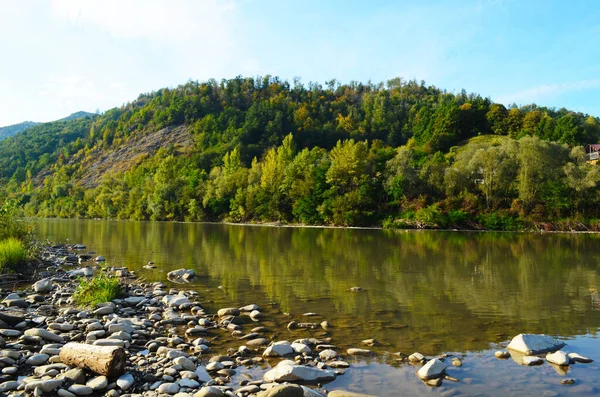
288,371
531,344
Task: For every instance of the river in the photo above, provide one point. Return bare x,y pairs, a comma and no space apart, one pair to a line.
463,293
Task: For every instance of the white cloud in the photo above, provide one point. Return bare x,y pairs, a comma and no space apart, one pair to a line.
543,92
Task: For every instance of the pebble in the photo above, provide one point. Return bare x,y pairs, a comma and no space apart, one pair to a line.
81,390
125,381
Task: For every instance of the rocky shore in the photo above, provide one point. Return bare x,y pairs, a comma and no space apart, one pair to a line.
164,337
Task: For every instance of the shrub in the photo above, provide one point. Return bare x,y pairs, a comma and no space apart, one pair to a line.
12,254
100,288
11,226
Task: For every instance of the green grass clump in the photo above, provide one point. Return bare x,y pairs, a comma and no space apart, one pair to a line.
12,254
98,289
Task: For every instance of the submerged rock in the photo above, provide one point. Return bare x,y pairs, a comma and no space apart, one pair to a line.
535,344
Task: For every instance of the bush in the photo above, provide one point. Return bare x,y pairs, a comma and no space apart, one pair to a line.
98,289
11,226
12,254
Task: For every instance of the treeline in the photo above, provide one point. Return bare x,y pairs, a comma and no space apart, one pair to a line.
400,154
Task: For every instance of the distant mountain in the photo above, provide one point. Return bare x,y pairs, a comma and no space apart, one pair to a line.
11,130
14,129
77,115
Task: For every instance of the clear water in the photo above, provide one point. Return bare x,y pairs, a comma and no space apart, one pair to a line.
427,291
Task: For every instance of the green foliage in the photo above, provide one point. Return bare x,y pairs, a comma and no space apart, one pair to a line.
12,254
262,150
98,289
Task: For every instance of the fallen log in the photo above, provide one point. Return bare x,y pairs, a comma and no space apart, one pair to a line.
103,360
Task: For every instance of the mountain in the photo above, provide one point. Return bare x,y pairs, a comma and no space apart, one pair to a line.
399,154
11,130
77,115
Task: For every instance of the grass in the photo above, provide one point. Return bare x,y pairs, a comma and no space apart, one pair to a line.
12,254
98,289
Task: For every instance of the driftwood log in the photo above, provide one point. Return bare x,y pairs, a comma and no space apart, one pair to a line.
103,360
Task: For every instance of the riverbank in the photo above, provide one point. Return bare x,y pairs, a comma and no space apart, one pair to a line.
176,345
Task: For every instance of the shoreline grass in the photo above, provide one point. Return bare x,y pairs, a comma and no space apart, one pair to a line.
13,254
100,288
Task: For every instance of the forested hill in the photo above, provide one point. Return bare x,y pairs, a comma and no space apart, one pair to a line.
401,154
14,129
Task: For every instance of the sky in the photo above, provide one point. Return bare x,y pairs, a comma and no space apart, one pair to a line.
61,56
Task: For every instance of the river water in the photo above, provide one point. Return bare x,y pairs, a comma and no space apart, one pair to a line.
462,293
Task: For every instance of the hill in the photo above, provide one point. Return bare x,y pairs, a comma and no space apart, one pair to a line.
11,130
401,154
14,129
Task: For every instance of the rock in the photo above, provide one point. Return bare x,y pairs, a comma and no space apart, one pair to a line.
287,370
214,366
257,342
343,393
249,308
8,386
567,381
356,289
81,390
283,391
255,315
228,311
338,364
532,360
433,369
535,344
301,348
502,354
416,357
175,300
45,386
16,303
328,354
580,359
98,383
99,258
83,272
37,359
181,275
64,393
457,362
47,335
185,363
189,383
279,349
358,352
125,381
75,375
101,311
558,358
168,388
210,391
43,286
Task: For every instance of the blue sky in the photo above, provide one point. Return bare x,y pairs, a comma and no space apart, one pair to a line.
61,56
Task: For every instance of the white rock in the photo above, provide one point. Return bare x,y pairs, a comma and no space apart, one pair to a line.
185,363
301,348
328,354
287,370
534,344
279,349
432,370
558,358
42,333
125,381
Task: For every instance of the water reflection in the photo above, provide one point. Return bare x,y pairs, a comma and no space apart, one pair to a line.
426,291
